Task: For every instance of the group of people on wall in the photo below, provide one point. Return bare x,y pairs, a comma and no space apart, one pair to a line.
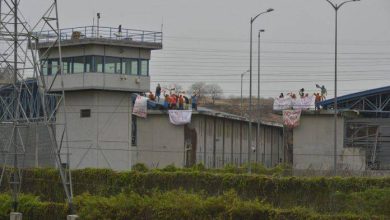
319,96
174,101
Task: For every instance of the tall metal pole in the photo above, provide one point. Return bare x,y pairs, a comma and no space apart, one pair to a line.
250,90
336,8
250,102
258,96
16,115
335,97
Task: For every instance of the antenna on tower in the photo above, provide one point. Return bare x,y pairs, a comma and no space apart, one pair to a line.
98,23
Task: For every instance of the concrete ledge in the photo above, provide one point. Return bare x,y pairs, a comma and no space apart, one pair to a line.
72,217
16,216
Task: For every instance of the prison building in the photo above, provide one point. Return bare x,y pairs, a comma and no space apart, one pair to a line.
213,138
363,133
102,69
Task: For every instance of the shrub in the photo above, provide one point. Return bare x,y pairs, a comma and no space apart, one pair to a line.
323,194
32,208
182,205
170,168
140,167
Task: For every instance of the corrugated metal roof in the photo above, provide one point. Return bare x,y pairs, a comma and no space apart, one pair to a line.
357,95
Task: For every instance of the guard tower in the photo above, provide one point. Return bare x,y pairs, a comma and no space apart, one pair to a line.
101,68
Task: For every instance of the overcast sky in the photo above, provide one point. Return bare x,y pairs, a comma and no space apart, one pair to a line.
208,40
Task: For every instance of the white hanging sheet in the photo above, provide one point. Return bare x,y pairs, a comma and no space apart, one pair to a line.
180,117
291,118
140,108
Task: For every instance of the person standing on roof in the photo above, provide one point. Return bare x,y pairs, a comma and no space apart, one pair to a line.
324,92
173,99
158,92
187,102
317,100
194,101
166,102
181,102
302,92
151,96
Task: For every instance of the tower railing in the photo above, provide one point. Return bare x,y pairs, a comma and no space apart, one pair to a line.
108,33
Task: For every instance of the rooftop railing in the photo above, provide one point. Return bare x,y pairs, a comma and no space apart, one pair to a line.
109,33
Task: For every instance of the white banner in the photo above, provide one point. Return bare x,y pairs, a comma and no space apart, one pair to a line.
282,103
298,103
304,103
291,118
180,117
140,107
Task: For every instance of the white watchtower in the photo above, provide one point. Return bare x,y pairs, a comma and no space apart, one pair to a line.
102,67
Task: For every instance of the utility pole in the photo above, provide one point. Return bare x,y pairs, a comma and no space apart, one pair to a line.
258,96
336,7
250,89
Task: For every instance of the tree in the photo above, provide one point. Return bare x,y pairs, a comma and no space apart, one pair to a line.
199,88
172,88
214,91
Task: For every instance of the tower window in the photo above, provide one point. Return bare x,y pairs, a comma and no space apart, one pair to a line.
88,64
85,113
144,71
98,64
78,64
134,67
112,65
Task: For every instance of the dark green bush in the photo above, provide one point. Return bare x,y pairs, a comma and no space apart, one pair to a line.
182,205
170,168
371,201
140,167
323,194
32,208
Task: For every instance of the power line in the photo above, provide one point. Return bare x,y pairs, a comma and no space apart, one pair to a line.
240,40
276,81
197,50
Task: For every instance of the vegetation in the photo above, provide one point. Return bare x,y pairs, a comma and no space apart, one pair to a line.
228,193
176,204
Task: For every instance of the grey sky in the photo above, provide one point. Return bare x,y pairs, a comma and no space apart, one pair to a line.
209,40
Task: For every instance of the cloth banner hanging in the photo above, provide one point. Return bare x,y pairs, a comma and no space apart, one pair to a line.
180,117
304,103
140,107
291,118
282,103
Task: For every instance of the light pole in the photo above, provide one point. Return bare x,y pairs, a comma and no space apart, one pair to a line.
242,76
250,88
258,94
336,7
